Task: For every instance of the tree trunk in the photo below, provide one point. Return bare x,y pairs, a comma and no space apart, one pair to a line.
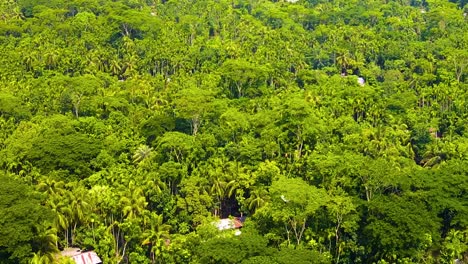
195,124
287,233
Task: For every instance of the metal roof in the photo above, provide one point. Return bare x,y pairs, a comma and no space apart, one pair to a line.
228,223
87,258
80,257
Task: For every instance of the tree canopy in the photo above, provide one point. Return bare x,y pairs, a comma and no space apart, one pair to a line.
335,129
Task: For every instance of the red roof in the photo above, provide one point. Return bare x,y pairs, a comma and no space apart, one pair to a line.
238,223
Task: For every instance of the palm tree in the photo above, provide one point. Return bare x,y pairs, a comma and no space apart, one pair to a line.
232,187
433,156
223,181
156,236
30,60
46,241
79,208
115,67
40,258
257,199
143,152
62,213
51,59
51,187
343,60
135,204
154,185
218,189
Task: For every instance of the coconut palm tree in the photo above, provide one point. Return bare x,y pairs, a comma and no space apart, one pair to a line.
218,189
42,258
142,153
133,201
46,242
156,236
62,212
257,199
51,187
80,208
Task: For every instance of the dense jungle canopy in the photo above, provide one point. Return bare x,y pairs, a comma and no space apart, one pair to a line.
337,128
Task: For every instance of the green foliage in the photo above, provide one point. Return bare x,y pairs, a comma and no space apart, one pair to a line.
21,214
56,145
337,128
400,227
232,249
300,256
12,107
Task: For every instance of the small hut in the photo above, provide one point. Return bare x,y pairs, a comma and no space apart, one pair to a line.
228,223
361,81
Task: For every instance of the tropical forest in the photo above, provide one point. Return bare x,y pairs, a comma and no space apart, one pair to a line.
321,131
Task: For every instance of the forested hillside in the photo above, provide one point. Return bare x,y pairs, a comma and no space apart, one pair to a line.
337,128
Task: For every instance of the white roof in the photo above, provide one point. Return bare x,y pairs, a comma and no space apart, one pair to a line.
361,81
224,224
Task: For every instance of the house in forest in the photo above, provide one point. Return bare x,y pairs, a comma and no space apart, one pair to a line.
230,223
361,81
81,257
